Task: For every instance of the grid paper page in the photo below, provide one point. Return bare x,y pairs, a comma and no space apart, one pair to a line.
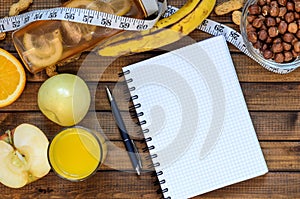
197,118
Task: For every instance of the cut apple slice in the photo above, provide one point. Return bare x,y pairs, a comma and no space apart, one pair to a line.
13,172
25,159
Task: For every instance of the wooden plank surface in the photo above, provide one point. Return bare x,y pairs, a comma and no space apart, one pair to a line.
112,185
269,126
259,96
273,101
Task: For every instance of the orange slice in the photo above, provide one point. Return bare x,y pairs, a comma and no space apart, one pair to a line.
12,78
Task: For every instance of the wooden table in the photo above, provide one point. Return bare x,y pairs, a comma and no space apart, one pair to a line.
273,101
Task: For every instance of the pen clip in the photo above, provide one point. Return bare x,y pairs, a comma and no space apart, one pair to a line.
137,155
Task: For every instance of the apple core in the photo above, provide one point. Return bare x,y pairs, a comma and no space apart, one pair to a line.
76,153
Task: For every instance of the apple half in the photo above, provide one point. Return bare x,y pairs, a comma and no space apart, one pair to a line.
23,157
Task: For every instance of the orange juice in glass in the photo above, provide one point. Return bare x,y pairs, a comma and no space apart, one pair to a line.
76,153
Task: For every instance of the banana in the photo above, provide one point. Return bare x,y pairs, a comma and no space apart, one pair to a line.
38,57
195,18
163,36
188,7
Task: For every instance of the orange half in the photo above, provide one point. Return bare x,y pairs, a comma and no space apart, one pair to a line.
12,78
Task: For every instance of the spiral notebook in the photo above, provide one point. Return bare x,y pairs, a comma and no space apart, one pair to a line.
195,119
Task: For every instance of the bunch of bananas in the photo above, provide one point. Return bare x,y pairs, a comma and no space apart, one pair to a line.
166,30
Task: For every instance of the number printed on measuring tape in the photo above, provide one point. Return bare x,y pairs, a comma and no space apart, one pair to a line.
85,16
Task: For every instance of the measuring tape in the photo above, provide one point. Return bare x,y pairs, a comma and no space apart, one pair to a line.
96,18
85,16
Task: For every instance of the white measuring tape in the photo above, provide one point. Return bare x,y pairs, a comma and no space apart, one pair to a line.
85,16
97,18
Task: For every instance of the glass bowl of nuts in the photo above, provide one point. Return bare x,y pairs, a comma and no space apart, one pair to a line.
271,32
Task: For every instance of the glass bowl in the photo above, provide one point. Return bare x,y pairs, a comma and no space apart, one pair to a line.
256,54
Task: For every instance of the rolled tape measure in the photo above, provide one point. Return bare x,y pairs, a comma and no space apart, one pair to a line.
96,18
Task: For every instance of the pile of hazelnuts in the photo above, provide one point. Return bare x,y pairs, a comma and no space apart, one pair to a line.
274,28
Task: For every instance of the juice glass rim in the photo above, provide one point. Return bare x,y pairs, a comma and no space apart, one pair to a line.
101,156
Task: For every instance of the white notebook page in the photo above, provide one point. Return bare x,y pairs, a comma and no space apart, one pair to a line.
197,118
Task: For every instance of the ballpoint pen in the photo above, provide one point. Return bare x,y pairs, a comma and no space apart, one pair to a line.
129,144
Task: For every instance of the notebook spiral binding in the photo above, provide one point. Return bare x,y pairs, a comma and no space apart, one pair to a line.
135,114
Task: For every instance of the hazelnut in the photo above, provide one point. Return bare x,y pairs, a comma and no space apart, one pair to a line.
262,35
296,46
274,11
282,11
265,10
257,23
294,41
297,6
277,47
288,56
289,17
295,54
279,58
282,27
282,2
257,45
274,4
290,6
250,28
267,54
298,34
261,2
273,31
254,9
288,37
286,46
270,21
293,27
250,18
252,37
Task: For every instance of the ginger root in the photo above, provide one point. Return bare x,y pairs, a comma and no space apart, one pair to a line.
51,71
236,17
231,6
228,6
18,7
